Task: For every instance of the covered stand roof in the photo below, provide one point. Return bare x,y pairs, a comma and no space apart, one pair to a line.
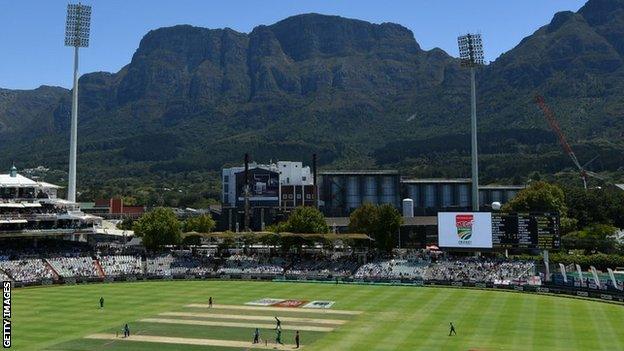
19,181
328,236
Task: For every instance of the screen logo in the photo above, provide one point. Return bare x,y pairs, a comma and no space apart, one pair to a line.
464,224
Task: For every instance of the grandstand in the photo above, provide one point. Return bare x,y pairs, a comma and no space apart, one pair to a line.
322,267
241,264
74,266
415,265
189,320
32,208
392,269
159,265
26,270
121,265
473,270
4,277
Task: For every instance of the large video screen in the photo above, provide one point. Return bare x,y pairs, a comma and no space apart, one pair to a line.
471,230
263,185
498,230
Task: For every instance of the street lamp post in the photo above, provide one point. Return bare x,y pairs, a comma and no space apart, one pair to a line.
77,30
471,56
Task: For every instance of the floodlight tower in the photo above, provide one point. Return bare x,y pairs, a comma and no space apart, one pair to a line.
471,56
77,30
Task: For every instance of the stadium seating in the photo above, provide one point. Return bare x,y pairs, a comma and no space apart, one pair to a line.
159,265
479,270
392,269
4,277
27,270
74,266
120,265
241,264
322,268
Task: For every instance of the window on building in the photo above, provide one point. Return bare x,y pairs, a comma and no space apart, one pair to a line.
353,192
388,190
414,194
447,195
430,196
482,198
464,195
496,196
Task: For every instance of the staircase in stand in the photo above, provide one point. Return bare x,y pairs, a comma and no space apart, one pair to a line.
7,274
57,276
98,268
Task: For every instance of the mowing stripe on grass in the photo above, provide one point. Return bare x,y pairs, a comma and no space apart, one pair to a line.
276,309
190,341
233,324
253,318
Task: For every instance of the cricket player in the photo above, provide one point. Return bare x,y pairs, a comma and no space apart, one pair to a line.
210,302
279,324
297,339
278,336
256,338
452,329
126,331
101,302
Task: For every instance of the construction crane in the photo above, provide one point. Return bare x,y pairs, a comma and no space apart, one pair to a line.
554,125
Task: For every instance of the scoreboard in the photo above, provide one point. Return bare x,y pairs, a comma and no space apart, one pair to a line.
526,231
494,230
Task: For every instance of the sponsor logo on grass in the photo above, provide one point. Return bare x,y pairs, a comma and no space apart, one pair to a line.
290,303
319,304
265,302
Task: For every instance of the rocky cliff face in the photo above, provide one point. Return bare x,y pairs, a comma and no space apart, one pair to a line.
357,93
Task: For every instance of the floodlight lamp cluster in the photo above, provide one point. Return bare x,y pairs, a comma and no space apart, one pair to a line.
470,50
78,25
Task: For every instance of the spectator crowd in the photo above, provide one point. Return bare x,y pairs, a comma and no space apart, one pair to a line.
78,262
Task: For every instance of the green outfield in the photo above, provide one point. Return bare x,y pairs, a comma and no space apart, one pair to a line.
173,315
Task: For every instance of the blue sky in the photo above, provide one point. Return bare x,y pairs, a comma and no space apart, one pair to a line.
31,31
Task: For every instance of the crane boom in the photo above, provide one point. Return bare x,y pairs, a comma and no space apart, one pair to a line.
554,125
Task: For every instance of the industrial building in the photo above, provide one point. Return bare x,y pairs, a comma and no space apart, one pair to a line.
341,192
284,184
274,188
431,196
277,188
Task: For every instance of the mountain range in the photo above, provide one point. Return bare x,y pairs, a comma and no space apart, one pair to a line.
360,95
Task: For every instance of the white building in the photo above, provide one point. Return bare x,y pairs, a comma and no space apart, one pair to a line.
290,173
